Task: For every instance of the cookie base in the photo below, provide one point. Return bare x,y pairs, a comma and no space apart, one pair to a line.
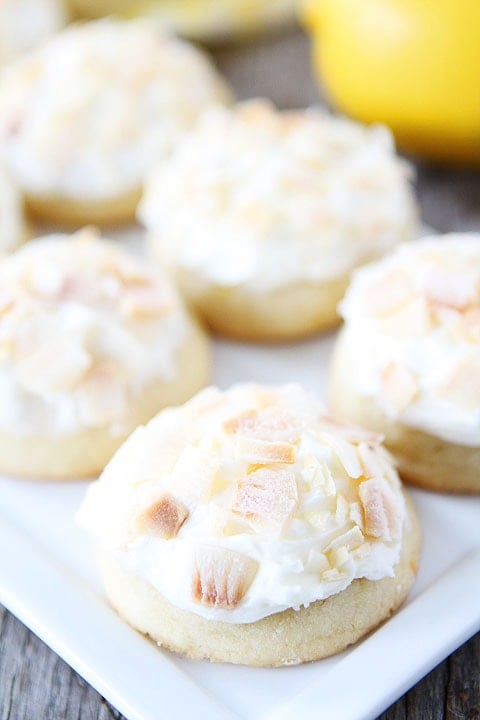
423,459
84,454
70,213
279,315
287,638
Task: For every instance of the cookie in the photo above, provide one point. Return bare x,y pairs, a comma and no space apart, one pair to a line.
282,206
407,363
249,527
93,343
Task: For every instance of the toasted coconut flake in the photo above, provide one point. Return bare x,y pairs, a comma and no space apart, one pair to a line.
267,495
342,510
372,462
351,539
102,397
55,368
445,286
338,556
316,562
411,320
355,514
345,452
221,577
164,518
270,424
351,433
146,301
262,452
388,294
383,517
399,386
463,386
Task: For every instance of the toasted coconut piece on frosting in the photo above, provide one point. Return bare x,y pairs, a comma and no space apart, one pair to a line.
267,495
382,517
445,286
262,452
164,518
270,424
388,293
463,386
221,577
399,386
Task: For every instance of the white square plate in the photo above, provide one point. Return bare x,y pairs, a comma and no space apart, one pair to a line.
48,579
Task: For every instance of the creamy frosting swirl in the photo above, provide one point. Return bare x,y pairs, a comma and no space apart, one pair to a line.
87,114
244,503
413,323
276,198
83,328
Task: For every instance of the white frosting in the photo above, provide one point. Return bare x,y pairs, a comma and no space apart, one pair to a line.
275,198
86,115
286,532
84,328
13,228
413,327
25,23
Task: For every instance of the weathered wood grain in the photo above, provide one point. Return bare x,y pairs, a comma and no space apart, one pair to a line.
34,683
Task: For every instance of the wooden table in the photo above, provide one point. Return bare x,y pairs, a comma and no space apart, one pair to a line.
34,683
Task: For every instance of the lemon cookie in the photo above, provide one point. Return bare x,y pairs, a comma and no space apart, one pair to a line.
407,363
281,207
83,118
92,343
199,19
26,23
249,527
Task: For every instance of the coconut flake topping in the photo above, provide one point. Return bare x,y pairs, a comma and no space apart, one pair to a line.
236,535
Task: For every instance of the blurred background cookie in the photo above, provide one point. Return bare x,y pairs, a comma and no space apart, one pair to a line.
14,229
262,215
92,343
248,527
199,19
407,363
26,23
84,117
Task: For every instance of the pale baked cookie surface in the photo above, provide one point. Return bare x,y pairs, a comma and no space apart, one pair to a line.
26,23
249,514
202,19
281,208
84,117
92,344
13,227
407,363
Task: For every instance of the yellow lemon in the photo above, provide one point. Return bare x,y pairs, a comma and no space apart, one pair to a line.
411,64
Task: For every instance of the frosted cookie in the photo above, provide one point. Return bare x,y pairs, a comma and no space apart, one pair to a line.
83,118
199,19
407,363
249,527
13,227
92,343
281,207
26,23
